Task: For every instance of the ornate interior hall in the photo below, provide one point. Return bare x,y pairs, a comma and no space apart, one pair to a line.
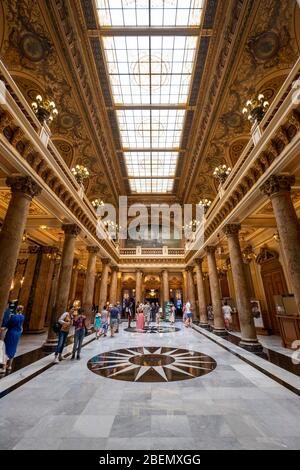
149,213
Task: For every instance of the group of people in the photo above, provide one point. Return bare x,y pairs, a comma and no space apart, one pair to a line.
146,313
72,317
10,333
110,316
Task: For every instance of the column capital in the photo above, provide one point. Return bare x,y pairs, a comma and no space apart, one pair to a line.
210,249
105,261
199,262
232,229
276,184
34,250
139,271
23,184
93,249
49,250
189,268
71,229
114,268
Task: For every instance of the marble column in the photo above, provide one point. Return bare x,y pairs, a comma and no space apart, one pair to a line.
215,290
89,284
41,292
53,290
104,281
23,189
249,339
33,254
184,286
119,289
139,286
113,285
191,290
74,279
97,288
201,294
165,285
18,279
71,232
278,188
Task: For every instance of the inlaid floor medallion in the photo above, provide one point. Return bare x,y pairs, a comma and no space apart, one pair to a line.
152,364
153,329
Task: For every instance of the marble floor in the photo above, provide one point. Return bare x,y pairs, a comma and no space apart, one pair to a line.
69,407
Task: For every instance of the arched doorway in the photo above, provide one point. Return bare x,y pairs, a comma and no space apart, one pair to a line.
273,281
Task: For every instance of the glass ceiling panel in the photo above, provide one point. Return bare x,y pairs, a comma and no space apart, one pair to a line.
159,128
150,69
161,12
141,164
151,185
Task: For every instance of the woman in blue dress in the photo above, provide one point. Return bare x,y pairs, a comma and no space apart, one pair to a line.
14,327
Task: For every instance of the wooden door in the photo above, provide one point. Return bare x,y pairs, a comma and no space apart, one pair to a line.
274,284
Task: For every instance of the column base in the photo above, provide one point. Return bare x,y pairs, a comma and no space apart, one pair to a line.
251,346
204,325
50,345
35,332
220,332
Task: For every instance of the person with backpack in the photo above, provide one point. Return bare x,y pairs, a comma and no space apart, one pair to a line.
79,323
65,322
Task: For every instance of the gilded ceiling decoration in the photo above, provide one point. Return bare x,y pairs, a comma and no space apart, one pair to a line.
267,52
34,208
29,52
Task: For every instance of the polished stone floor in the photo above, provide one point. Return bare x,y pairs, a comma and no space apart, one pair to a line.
69,407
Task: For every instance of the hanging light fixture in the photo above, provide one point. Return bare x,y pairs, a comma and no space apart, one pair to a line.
221,172
97,203
205,203
81,173
45,110
256,108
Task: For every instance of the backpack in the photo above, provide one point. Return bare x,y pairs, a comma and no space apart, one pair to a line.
56,327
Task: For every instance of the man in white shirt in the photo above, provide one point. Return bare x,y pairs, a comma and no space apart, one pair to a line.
227,311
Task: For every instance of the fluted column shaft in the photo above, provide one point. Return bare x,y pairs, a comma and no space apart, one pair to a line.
278,189
248,332
88,290
23,189
103,284
139,286
165,284
191,289
71,232
201,294
215,291
113,285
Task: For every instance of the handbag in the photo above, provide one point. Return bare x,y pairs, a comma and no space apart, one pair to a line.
56,327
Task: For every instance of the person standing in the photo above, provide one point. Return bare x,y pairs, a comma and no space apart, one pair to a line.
114,315
130,312
152,312
3,329
14,326
172,315
65,320
159,312
227,312
97,324
119,307
189,315
147,313
104,321
79,323
140,323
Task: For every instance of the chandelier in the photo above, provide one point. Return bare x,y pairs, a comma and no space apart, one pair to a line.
205,203
97,203
81,173
45,110
221,172
256,109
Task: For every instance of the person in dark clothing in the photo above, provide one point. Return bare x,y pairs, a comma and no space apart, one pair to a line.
114,315
79,323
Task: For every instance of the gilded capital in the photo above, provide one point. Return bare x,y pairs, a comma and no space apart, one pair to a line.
114,268
71,229
49,250
210,249
23,184
189,268
232,229
199,262
105,260
93,249
34,250
276,184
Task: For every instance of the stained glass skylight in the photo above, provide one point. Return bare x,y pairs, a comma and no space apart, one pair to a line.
150,70
150,67
151,185
142,164
161,12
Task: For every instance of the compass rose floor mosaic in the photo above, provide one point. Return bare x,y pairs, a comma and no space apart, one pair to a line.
153,329
152,364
